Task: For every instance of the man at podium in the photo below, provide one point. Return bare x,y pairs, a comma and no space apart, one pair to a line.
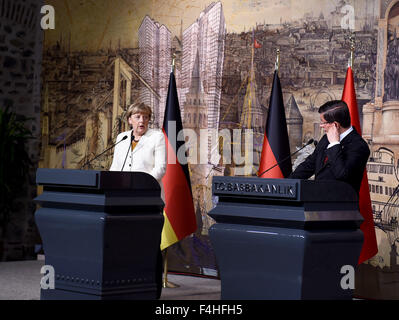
341,153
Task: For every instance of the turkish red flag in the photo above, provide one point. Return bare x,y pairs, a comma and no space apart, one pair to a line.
370,247
257,45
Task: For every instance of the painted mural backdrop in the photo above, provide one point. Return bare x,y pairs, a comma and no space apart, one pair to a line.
103,56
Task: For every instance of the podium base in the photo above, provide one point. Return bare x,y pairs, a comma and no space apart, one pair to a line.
267,263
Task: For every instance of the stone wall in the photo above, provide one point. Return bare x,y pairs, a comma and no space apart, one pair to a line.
20,68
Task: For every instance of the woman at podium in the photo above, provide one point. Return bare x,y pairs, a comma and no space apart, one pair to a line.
140,149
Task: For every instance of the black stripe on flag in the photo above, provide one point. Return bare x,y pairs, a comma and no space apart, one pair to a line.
276,128
172,113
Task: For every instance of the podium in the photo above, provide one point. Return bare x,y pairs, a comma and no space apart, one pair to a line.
101,232
285,238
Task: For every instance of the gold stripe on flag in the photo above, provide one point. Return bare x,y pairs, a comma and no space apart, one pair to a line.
168,236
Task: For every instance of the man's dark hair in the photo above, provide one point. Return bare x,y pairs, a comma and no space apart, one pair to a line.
336,110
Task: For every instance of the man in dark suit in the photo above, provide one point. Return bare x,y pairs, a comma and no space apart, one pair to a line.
341,153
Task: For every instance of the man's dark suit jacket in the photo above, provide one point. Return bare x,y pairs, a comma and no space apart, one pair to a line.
344,162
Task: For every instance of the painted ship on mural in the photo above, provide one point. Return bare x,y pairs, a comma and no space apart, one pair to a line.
383,170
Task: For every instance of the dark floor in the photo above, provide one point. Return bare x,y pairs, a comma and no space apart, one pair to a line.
20,280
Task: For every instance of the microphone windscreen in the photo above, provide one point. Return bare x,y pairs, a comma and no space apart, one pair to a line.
310,141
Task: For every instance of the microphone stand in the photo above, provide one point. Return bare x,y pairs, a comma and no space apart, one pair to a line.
290,155
88,162
130,145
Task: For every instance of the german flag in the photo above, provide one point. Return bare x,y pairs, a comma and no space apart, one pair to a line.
369,248
276,146
179,208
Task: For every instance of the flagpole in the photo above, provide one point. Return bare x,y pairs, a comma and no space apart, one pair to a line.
173,63
277,63
165,282
352,56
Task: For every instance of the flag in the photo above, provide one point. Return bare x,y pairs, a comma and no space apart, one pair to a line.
257,45
369,248
276,146
179,211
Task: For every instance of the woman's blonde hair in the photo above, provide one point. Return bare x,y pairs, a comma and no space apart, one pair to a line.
138,107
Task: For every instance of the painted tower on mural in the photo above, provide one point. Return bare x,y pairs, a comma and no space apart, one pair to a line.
294,123
196,119
205,38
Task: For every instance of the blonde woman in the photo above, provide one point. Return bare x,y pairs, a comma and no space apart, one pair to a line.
144,149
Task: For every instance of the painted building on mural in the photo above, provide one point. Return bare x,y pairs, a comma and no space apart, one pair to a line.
155,60
382,169
381,115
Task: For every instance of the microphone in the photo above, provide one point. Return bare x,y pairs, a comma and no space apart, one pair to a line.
130,145
88,162
307,143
